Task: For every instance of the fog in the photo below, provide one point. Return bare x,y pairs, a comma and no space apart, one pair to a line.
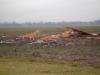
49,10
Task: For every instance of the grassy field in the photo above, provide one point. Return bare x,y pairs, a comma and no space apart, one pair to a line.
27,30
28,66
95,29
29,61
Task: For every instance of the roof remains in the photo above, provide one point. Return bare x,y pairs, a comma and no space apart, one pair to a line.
70,32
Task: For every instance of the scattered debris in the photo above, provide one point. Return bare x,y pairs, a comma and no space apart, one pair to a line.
49,40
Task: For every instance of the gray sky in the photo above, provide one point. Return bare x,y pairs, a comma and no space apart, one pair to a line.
49,10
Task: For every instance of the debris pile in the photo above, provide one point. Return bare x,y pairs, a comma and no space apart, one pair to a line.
37,39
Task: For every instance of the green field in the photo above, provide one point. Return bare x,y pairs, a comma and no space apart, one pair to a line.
41,29
28,66
84,56
27,30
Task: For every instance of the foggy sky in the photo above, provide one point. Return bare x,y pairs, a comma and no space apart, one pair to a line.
49,10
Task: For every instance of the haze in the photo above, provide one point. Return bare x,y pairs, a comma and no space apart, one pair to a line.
49,10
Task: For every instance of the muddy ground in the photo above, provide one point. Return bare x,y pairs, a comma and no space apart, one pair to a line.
81,50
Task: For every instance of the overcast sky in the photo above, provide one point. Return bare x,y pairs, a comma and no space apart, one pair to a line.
49,10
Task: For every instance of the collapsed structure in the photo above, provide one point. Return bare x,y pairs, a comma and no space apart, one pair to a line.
31,36
38,39
70,32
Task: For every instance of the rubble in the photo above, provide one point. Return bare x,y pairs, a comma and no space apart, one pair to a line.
50,40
